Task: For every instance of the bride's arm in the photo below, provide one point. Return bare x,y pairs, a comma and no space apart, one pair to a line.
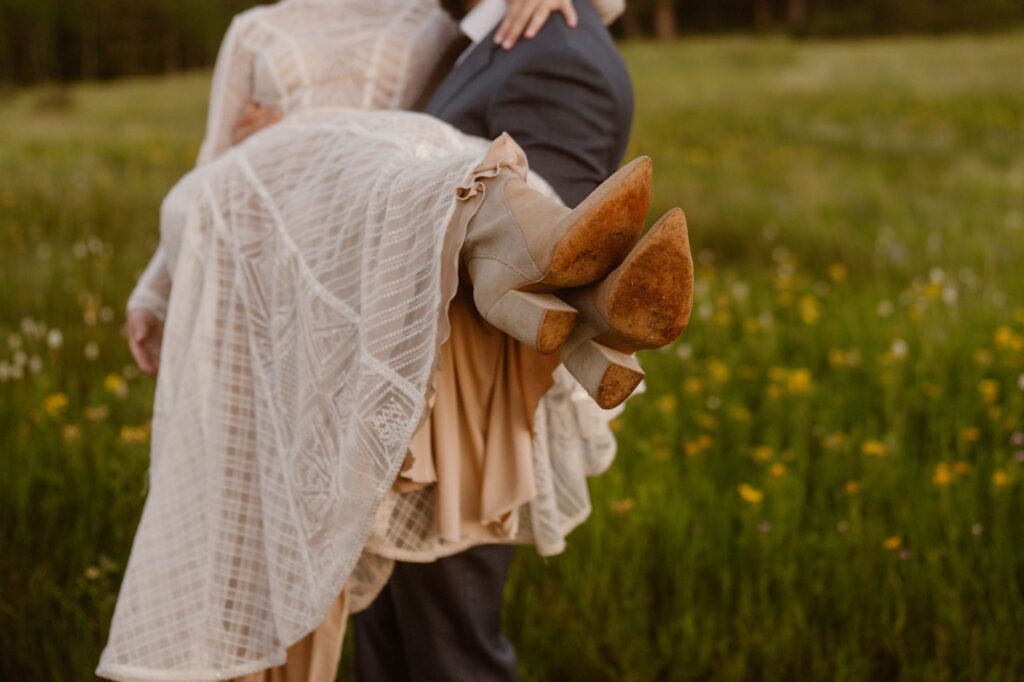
146,310
525,18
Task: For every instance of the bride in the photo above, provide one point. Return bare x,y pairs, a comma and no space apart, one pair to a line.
315,272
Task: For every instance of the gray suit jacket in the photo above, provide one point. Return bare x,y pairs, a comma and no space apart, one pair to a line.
565,96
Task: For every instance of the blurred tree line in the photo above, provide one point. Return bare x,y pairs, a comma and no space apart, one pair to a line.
74,39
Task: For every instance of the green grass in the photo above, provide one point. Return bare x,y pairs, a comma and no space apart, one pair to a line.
855,363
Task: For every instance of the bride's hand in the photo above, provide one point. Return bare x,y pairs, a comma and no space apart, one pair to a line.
145,336
527,18
254,118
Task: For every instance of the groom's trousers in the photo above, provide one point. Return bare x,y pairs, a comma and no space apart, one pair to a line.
439,622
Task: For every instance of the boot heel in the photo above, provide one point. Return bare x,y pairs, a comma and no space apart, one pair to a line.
608,375
541,321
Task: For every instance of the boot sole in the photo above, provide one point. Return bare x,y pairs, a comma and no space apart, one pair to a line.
650,299
605,227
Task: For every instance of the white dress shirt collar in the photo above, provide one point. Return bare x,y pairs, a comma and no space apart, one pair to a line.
480,21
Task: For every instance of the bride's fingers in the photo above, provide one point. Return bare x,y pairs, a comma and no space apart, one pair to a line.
142,357
515,22
537,22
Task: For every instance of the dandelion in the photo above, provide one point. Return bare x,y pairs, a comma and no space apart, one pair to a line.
750,494
810,310
988,389
55,404
1000,478
115,383
623,506
70,433
134,435
971,434
943,475
851,487
799,381
874,448
718,370
778,470
91,350
667,404
893,543
837,272
54,339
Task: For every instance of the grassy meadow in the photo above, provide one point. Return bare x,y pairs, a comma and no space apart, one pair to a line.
825,477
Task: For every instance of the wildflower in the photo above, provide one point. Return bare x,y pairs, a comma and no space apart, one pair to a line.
976,529
750,494
904,554
35,364
718,370
837,272
961,468
810,310
91,350
70,433
983,357
778,470
740,290
988,389
1020,382
971,434
115,383
1007,339
667,404
707,421
943,475
13,341
764,527
698,445
885,308
778,374
842,526
1019,456
799,381
92,573
1000,478
764,453
835,440
741,414
6,372
899,349
106,314
55,404
694,385
837,358
751,325
713,402
97,413
789,455
133,435
684,351
623,506
54,339
893,543
874,448
851,487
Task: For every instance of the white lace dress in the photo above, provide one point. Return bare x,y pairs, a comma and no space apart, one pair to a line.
307,311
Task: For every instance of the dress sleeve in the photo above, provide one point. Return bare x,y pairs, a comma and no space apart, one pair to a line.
231,89
153,289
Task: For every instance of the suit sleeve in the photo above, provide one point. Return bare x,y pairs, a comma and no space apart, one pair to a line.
563,112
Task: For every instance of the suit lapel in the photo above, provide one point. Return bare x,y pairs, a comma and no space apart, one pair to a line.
475,62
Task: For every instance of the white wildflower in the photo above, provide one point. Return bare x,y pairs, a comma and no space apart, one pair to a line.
55,339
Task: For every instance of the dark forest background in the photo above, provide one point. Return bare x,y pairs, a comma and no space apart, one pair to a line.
62,40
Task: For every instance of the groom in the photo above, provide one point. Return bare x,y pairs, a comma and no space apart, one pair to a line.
565,97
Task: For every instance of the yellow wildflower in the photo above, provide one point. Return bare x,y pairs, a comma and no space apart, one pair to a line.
983,357
694,385
778,470
742,415
837,272
799,381
707,421
1007,339
893,543
718,370
667,404
810,310
774,392
988,389
874,448
133,435
851,487
943,475
92,573
778,374
751,325
55,404
764,453
115,383
750,494
961,467
837,358
834,441
971,434
97,413
1000,478
623,506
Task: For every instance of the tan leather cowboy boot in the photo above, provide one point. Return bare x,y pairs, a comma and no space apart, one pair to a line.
520,246
644,303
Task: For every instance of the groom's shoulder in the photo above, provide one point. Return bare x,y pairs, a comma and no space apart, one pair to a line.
589,41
